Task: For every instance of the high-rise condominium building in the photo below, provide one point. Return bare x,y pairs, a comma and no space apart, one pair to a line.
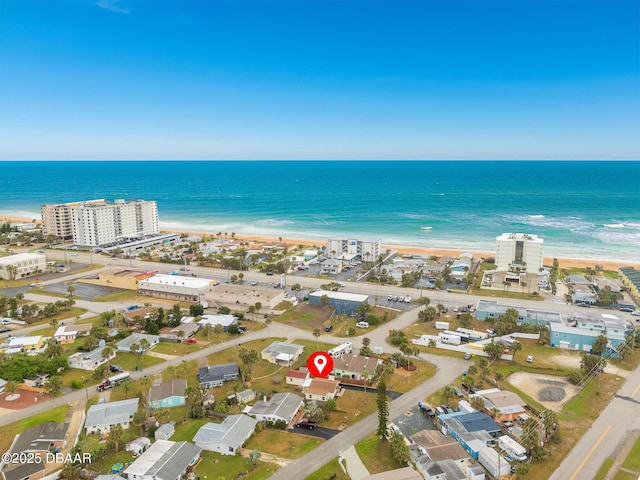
519,252
97,223
348,249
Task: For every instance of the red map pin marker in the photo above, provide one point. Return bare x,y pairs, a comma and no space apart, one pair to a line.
320,364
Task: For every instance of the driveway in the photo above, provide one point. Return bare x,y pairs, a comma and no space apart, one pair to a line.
318,432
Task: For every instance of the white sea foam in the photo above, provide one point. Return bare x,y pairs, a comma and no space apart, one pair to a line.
614,225
535,216
273,222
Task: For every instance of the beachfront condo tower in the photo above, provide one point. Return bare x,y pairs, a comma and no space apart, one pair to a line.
98,222
519,252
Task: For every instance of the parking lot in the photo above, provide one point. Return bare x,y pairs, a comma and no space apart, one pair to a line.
83,290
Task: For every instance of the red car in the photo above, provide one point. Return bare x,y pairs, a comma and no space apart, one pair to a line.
190,340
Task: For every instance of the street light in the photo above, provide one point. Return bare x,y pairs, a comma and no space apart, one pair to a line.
86,390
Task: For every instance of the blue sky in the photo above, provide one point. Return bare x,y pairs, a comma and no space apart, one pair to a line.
209,79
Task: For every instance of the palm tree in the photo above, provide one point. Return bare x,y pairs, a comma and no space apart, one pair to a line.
516,346
448,394
317,333
107,353
365,377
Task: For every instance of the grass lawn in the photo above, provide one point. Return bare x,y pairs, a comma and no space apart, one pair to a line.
601,474
622,475
180,349
402,381
281,443
10,431
331,470
504,294
633,459
129,361
354,406
376,455
216,466
186,431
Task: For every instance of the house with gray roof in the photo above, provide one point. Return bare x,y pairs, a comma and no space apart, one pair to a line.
168,394
216,375
41,438
101,417
164,460
226,437
282,353
89,360
282,406
124,345
25,471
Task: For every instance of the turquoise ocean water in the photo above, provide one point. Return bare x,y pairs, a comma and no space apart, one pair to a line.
581,209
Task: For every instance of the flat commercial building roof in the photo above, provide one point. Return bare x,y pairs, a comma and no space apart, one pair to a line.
353,297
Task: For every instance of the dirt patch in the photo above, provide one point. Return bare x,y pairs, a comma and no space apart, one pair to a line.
21,398
308,316
551,391
572,360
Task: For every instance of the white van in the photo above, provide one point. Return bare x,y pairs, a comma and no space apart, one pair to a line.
362,324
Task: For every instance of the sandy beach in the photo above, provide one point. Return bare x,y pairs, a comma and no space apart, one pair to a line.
403,249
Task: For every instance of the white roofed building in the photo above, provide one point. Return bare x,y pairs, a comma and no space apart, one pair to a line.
164,460
175,287
344,303
520,252
24,264
282,353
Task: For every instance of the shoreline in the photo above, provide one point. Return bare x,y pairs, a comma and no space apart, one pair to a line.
565,262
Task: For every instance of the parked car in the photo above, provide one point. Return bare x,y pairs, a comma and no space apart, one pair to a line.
467,356
191,340
458,392
362,324
328,328
306,423
626,309
254,283
530,359
115,368
270,274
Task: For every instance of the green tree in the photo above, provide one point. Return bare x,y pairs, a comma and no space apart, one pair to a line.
600,345
317,333
267,322
477,402
465,320
516,346
106,354
248,357
254,458
54,384
591,364
399,448
494,350
195,309
324,299
383,409
115,434
330,405
448,394
53,349
139,418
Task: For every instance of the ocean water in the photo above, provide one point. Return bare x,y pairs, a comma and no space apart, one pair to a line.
581,209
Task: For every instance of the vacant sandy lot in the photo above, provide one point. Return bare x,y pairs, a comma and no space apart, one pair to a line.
551,391
572,359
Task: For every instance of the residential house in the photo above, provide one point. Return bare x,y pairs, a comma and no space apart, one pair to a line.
68,333
165,431
124,345
37,381
404,473
281,407
179,333
40,439
208,400
90,360
438,446
168,394
226,437
508,405
25,471
101,417
331,266
224,320
164,460
282,353
296,377
216,375
24,344
321,389
354,366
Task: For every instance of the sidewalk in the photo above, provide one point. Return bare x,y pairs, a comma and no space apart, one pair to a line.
355,467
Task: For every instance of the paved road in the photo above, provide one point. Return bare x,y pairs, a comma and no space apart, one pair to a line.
617,421
448,370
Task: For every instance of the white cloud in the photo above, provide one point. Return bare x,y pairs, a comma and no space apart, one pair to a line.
112,5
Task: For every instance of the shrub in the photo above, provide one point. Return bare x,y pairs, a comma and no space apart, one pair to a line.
76,384
575,377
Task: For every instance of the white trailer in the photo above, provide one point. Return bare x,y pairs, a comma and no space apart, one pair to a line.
509,446
442,325
340,350
495,463
450,339
473,334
